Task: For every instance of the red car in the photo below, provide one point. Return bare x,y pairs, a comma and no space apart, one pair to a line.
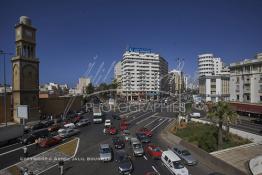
54,127
154,151
111,130
123,126
146,131
51,141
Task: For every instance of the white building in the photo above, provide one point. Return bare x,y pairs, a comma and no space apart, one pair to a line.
82,84
213,78
176,81
144,74
246,80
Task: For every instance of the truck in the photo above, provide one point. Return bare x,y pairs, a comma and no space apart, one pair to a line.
97,115
195,115
10,134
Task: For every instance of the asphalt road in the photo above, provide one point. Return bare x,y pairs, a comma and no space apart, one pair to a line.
91,136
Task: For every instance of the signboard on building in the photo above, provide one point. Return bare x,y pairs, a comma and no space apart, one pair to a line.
22,111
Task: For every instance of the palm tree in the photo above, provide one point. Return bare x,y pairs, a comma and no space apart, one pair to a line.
222,114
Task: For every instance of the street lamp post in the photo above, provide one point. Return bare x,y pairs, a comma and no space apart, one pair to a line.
5,104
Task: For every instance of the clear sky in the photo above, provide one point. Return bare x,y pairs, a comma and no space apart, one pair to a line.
72,33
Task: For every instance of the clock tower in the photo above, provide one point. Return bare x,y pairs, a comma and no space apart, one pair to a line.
25,68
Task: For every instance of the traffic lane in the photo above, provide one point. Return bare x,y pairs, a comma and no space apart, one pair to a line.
10,147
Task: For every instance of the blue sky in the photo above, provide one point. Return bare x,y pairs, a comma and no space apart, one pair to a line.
71,33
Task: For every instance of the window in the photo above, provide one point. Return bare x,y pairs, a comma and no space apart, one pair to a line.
237,97
261,98
166,158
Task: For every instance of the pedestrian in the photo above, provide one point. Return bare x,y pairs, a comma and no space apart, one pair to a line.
25,151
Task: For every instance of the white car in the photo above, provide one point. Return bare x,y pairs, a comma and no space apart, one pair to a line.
173,163
107,123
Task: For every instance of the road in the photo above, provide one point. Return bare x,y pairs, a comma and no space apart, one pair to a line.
91,136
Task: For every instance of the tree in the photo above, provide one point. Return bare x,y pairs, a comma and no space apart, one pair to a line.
90,89
222,114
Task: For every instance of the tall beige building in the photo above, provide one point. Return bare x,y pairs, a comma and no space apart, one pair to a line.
176,81
25,68
82,84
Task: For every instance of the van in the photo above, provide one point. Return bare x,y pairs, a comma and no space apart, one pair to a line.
173,163
136,147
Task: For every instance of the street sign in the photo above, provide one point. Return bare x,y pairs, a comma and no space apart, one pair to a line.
22,111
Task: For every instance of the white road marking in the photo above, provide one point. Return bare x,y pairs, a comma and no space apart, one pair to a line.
160,119
9,146
20,148
145,157
139,117
144,119
158,125
151,122
155,170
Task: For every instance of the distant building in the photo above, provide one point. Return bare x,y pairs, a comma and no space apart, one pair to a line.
246,80
176,81
143,73
82,84
52,90
118,75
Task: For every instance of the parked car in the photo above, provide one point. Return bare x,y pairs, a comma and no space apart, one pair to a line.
185,155
116,117
136,147
195,115
50,141
173,163
118,142
83,122
125,165
64,133
48,123
143,138
30,138
145,131
154,151
54,127
105,152
70,125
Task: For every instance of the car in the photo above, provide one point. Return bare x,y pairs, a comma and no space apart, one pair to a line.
125,165
50,141
70,125
216,173
143,138
76,119
173,163
54,127
116,117
146,131
83,122
105,152
107,123
31,137
48,123
123,126
68,132
126,134
185,155
153,150
118,142
136,147
111,130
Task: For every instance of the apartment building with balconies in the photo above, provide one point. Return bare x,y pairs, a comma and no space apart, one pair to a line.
246,80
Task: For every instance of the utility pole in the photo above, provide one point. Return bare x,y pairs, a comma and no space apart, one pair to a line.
5,104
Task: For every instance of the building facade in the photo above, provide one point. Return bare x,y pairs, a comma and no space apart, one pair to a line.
143,74
25,68
82,84
246,80
176,81
118,76
214,88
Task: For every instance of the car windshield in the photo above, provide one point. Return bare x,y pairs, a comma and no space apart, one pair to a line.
157,149
178,165
123,158
185,153
137,146
104,150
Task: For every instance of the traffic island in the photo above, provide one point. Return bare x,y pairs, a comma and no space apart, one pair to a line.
44,161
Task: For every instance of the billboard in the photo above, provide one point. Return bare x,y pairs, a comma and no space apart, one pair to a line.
22,111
